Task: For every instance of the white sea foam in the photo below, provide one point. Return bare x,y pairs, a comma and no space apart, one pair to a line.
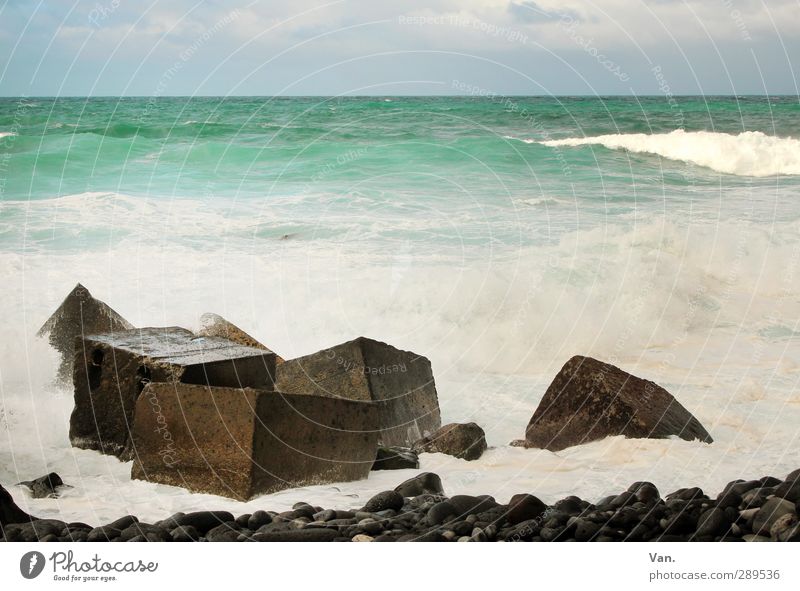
7,134
751,153
694,307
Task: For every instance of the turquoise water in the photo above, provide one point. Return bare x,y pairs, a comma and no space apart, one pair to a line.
384,161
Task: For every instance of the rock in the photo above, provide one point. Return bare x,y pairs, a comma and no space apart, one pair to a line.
793,476
712,522
203,521
590,400
79,314
729,498
10,512
257,519
300,535
421,484
103,534
783,527
585,530
45,486
387,499
440,513
769,513
400,382
395,458
214,325
112,369
466,505
227,532
789,490
645,492
240,443
466,441
524,507
185,533
362,538
123,522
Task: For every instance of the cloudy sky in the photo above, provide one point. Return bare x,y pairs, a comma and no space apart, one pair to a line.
309,47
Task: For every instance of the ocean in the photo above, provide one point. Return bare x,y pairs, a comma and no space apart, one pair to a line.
498,236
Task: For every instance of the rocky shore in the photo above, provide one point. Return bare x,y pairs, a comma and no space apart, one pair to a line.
418,510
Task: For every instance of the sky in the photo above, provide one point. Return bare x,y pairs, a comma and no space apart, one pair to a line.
380,47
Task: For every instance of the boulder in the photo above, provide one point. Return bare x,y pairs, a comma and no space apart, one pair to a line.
45,486
395,458
112,369
214,325
590,400
240,443
769,513
400,382
426,483
10,512
79,314
466,441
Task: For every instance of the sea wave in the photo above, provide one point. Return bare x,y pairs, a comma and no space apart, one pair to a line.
750,153
7,134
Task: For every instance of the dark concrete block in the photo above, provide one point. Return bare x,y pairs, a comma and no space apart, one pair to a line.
111,370
240,443
400,382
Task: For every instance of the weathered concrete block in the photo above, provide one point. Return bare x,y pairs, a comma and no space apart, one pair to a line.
111,370
400,382
240,443
79,314
590,400
214,325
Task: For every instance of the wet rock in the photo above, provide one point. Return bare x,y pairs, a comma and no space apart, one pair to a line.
470,505
466,441
251,442
645,492
185,533
79,314
440,513
227,532
784,527
45,486
388,499
789,490
523,507
300,535
425,483
214,325
123,522
9,511
395,458
712,522
399,382
103,534
203,521
111,371
258,519
590,400
769,513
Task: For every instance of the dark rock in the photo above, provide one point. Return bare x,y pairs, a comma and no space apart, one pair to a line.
45,486
227,532
571,505
585,530
185,533
203,521
686,494
395,458
523,507
469,505
789,490
646,492
770,481
111,370
243,520
78,314
388,499
149,532
440,512
793,476
769,513
257,519
400,382
122,522
9,511
712,522
253,441
784,527
421,484
466,441
729,498
298,535
590,400
103,533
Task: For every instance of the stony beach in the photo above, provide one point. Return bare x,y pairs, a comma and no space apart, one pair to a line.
419,510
